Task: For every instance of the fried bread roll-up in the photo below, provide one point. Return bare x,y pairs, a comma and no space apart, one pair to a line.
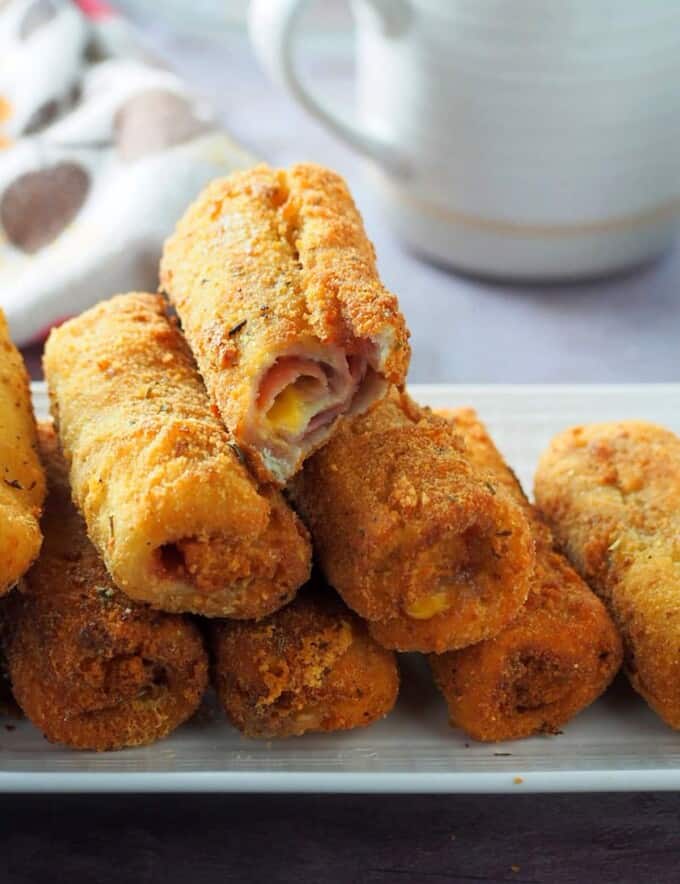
89,667
554,659
22,482
611,493
312,666
277,290
177,518
412,535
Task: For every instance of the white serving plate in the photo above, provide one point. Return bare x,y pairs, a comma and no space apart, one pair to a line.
617,744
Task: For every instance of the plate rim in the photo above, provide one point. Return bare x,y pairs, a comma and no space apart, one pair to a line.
329,782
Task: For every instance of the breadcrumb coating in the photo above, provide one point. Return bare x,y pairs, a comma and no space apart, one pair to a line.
89,667
172,510
413,536
611,493
554,659
22,482
312,666
270,271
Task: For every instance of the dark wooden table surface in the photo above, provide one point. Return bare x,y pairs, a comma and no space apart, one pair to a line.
191,839
194,839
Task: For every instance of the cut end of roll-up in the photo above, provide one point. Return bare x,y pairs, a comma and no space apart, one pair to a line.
219,577
301,396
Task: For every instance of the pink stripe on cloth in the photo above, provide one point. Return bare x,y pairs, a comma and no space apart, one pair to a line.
95,9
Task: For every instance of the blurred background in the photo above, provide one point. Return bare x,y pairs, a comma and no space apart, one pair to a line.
617,328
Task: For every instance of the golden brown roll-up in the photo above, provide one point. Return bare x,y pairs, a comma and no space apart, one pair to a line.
611,493
174,513
277,289
415,538
22,482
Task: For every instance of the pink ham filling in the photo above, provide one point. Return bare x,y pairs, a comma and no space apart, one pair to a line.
327,386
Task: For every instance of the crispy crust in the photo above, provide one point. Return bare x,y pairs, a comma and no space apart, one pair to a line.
611,493
555,658
268,259
89,667
175,515
401,519
22,481
310,667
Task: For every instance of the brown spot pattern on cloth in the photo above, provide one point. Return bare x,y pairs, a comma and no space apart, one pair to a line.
36,16
42,116
45,114
37,206
153,120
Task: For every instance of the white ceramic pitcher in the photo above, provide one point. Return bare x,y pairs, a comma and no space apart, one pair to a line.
514,138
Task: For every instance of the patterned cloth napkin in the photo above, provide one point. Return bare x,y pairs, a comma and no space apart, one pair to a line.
101,149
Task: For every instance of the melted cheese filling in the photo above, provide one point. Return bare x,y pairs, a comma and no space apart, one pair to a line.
290,411
424,609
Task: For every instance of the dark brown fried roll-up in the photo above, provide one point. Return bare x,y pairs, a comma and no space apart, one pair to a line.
555,658
90,667
312,666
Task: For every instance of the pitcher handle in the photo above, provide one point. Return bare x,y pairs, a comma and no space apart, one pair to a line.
272,25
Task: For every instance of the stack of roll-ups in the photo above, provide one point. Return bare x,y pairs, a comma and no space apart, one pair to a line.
198,460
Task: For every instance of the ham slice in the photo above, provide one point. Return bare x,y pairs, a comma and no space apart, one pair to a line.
301,395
